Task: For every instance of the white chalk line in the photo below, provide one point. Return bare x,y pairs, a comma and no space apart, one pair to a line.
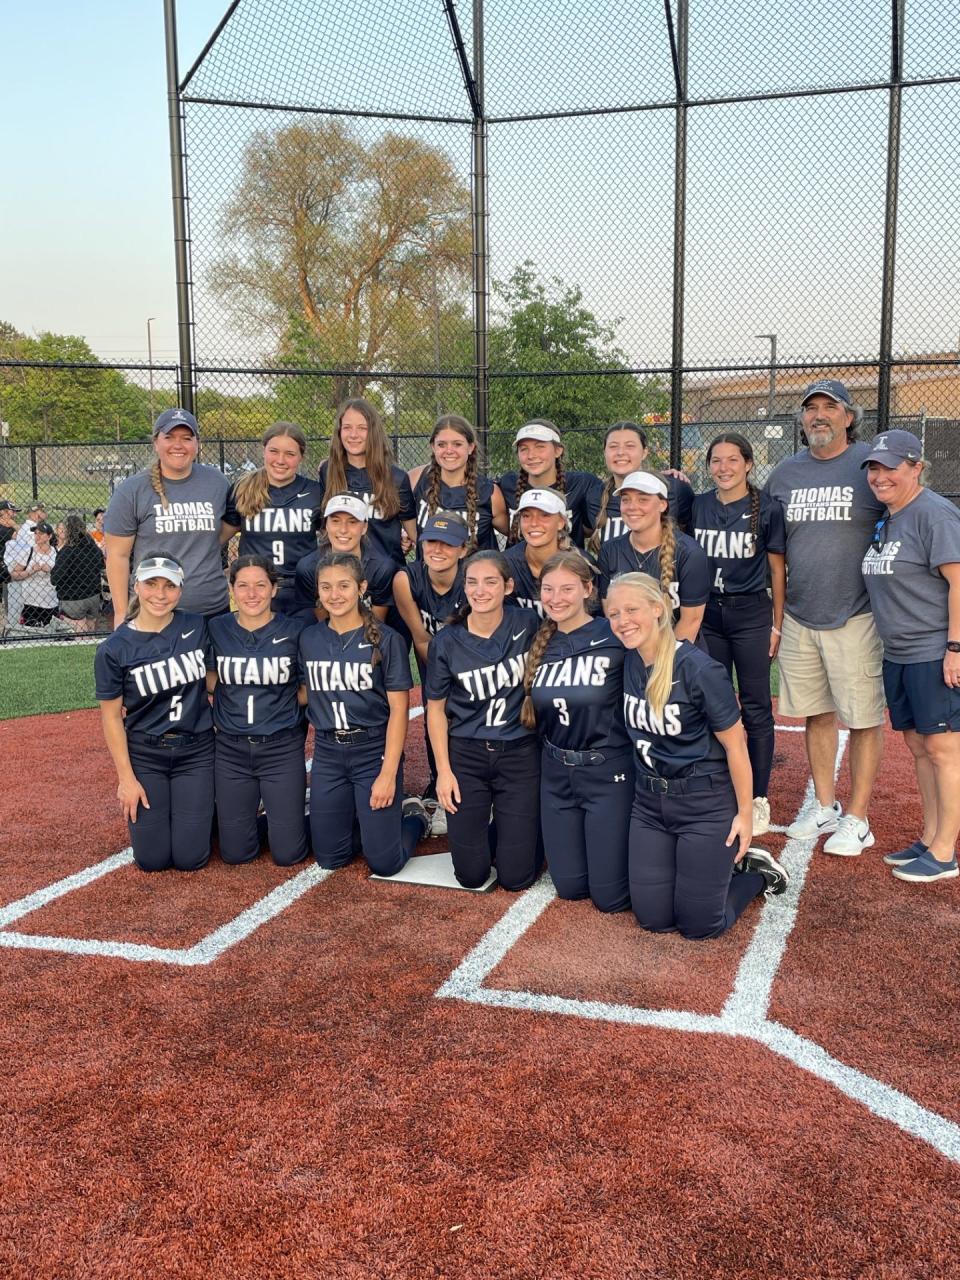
208,949
745,1012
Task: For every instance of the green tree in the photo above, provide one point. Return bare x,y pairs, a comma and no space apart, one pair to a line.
346,252
542,328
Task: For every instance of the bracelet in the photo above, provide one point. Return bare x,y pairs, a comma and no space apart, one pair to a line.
776,631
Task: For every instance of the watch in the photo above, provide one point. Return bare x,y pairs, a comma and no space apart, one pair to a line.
953,646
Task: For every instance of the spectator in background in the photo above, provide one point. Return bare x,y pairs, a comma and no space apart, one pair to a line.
96,529
8,529
36,513
76,575
32,566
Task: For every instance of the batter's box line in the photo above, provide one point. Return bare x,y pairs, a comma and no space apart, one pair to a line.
744,1015
208,949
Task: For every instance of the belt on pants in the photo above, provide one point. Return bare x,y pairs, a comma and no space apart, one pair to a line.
257,739
678,786
348,737
168,739
737,600
574,757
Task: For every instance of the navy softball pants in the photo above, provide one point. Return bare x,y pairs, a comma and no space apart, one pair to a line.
681,872
505,775
176,772
736,631
585,803
271,769
345,767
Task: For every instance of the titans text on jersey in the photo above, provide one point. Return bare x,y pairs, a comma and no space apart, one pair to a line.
169,673
586,669
483,682
339,677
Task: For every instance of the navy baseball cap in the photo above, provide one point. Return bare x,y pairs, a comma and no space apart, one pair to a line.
5,505
171,418
828,387
890,448
440,528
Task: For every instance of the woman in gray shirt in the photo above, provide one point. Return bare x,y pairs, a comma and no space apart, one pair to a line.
175,509
912,574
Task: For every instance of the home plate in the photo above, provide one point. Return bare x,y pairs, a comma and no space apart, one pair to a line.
435,869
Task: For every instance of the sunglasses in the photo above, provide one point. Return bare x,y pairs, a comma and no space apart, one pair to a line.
159,564
879,540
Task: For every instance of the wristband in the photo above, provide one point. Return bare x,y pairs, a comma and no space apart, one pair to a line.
776,631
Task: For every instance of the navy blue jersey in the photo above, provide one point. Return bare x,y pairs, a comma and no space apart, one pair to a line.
257,675
681,740
482,677
454,498
344,689
383,535
161,676
526,585
691,576
582,491
285,530
679,505
578,690
435,609
738,560
377,570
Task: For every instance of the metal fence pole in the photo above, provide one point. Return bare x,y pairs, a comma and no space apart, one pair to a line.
897,8
678,51
480,225
34,487
186,377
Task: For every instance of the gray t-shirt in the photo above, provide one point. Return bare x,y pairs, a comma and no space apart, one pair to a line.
187,529
907,594
830,512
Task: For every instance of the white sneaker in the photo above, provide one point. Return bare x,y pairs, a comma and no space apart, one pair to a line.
816,821
761,815
851,837
438,818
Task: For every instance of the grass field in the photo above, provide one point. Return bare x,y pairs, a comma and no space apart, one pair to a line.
45,678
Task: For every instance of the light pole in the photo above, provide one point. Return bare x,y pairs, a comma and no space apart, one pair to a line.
150,319
772,387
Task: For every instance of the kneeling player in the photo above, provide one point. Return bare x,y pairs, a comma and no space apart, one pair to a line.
151,686
254,678
693,806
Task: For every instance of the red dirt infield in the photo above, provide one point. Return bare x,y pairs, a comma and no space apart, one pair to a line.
304,1106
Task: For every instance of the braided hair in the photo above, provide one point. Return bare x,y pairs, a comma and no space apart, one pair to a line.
523,481
668,550
453,422
743,445
156,484
371,627
576,563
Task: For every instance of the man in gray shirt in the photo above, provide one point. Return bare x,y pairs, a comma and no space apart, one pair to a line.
830,654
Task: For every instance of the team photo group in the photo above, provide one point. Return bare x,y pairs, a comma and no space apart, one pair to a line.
594,652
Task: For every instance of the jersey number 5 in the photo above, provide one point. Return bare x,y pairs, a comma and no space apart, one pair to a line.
176,707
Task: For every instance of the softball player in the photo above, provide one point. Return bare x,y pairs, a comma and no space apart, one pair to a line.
693,802
574,687
355,683
277,509
151,685
345,526
542,517
485,756
361,462
254,679
540,454
655,546
742,532
625,451
450,482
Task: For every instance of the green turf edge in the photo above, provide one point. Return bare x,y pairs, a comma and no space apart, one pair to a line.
45,679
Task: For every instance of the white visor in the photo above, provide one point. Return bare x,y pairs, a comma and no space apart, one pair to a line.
537,431
643,482
544,500
160,567
349,503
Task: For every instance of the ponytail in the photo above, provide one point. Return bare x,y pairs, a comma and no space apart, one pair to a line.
661,678
547,631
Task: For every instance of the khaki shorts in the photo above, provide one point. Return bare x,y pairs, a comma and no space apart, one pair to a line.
839,671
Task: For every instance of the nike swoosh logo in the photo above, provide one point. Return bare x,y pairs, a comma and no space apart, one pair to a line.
519,634
279,640
593,643
185,635
306,494
364,646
